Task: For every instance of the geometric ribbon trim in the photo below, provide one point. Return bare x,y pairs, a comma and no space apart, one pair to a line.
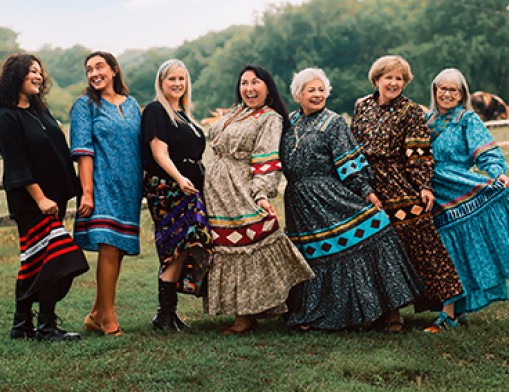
244,235
345,240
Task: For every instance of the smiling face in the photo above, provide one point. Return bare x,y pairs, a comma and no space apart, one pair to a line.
174,86
448,96
312,97
253,90
32,83
390,85
99,74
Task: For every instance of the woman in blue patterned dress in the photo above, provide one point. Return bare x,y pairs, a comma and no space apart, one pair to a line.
472,209
335,219
106,141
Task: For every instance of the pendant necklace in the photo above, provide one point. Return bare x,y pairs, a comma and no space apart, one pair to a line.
36,117
189,123
298,138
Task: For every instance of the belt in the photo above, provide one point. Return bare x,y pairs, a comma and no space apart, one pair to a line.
193,161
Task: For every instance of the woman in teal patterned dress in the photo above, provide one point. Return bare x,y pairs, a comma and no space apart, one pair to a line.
106,142
334,218
472,209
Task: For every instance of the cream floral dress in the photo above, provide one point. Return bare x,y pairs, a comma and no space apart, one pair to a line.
255,264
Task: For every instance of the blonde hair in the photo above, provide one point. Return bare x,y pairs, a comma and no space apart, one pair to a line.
452,75
305,76
185,101
387,64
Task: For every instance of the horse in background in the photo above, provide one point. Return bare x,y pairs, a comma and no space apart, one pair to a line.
489,106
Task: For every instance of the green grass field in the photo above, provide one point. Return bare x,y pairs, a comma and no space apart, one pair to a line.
474,358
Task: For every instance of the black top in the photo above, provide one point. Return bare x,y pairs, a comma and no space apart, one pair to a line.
185,147
34,151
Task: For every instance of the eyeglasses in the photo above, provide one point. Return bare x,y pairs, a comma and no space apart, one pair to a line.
451,90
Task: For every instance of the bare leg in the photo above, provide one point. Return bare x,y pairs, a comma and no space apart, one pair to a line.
449,310
108,270
172,273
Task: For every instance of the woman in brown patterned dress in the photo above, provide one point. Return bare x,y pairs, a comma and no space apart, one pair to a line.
255,263
395,139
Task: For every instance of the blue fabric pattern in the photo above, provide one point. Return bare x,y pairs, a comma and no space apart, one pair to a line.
113,138
472,209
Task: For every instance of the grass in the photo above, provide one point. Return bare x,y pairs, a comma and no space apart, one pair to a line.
474,358
272,359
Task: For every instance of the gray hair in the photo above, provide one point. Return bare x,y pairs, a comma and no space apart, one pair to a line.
452,75
305,76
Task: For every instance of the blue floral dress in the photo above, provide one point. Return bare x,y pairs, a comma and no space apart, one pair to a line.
472,209
113,139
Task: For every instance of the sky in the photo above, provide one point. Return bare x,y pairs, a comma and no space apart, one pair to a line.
117,25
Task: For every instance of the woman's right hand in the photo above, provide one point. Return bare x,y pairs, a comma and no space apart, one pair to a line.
86,206
48,206
186,186
373,199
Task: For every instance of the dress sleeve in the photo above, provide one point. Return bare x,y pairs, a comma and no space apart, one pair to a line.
417,148
265,163
481,146
351,165
154,123
81,129
13,146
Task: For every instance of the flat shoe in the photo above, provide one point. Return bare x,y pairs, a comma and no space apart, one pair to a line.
117,332
394,326
91,325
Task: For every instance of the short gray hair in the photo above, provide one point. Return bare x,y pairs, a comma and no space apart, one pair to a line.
452,75
305,76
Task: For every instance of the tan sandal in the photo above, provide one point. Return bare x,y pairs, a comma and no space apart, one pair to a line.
91,325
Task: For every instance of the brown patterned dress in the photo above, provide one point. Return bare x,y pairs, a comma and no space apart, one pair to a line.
395,140
255,264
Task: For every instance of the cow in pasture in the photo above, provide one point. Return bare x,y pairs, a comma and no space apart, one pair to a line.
489,106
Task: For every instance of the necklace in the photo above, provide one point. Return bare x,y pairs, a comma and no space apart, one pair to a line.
297,127
189,123
36,117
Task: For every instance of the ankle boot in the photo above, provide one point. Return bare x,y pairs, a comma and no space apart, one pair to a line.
166,318
23,326
47,330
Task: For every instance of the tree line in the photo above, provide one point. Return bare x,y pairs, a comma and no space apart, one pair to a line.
343,37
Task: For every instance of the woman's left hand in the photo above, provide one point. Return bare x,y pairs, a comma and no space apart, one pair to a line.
504,180
428,199
264,203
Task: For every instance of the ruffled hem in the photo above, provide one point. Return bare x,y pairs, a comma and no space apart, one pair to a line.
476,300
357,286
256,278
479,245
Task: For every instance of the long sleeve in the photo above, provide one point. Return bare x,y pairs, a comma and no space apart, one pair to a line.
81,129
481,146
18,170
417,149
265,163
351,165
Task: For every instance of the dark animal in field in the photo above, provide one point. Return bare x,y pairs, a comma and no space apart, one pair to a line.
489,106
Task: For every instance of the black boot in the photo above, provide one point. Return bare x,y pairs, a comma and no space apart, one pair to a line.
23,326
47,330
166,318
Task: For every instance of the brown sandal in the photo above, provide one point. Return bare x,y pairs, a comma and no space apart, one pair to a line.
91,325
394,326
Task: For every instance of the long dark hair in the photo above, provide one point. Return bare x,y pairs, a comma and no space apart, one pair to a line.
273,100
14,71
118,80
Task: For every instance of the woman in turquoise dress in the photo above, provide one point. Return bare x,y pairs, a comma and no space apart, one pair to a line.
106,141
471,209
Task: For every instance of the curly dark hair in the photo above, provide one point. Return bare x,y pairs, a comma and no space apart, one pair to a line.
119,85
14,71
273,100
